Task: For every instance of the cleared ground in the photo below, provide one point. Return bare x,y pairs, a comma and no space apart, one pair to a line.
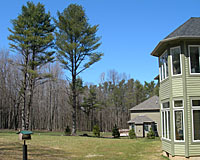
55,146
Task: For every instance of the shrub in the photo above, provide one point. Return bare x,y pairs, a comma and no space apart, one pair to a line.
67,131
96,131
115,132
132,134
151,134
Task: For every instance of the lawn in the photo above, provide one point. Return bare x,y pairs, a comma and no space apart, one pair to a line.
55,146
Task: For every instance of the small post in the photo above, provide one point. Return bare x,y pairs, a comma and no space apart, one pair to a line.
25,135
25,151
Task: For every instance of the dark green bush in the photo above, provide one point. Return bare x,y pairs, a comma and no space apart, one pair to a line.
96,131
151,134
115,132
67,131
132,134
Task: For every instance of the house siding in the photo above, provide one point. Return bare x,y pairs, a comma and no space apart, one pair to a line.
166,146
177,87
179,149
193,85
194,149
164,90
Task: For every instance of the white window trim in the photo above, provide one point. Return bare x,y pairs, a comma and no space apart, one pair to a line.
161,68
193,108
174,75
162,123
165,110
178,109
168,133
160,74
189,58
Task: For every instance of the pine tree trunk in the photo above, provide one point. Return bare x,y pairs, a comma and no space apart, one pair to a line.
28,117
74,105
50,108
24,94
24,105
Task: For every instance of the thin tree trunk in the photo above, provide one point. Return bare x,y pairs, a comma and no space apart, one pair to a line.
74,105
24,105
24,94
16,109
28,117
50,107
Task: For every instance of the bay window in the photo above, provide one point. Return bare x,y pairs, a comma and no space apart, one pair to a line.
196,119
194,59
176,60
165,114
178,120
164,66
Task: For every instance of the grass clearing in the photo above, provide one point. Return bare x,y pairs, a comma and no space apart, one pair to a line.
55,146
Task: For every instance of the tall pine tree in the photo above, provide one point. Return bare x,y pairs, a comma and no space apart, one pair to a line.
32,37
76,42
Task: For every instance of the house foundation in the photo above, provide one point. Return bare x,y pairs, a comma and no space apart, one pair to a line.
166,154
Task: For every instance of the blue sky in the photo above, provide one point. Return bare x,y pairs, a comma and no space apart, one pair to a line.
130,30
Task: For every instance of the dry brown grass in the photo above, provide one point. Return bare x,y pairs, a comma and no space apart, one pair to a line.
53,146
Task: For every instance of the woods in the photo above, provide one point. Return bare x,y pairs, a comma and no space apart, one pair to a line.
105,104
34,91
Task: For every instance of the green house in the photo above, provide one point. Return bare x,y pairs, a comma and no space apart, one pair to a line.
179,95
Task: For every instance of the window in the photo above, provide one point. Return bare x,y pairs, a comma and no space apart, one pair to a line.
176,60
165,114
178,115
196,119
178,103
164,66
154,127
146,127
132,126
178,120
194,59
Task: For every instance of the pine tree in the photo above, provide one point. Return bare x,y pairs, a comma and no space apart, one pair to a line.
132,133
76,43
96,131
32,37
90,103
115,132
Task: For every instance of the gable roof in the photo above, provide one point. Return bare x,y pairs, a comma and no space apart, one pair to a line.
150,104
188,30
141,119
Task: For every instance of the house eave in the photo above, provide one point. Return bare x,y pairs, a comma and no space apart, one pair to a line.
163,42
145,109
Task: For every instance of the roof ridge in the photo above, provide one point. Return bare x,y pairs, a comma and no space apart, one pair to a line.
194,17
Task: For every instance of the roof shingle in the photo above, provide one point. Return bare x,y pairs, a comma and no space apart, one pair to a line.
190,28
150,104
141,119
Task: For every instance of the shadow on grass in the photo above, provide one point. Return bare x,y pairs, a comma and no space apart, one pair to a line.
12,151
92,136
10,146
48,153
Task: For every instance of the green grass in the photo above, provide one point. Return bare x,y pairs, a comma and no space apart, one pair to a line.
54,146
